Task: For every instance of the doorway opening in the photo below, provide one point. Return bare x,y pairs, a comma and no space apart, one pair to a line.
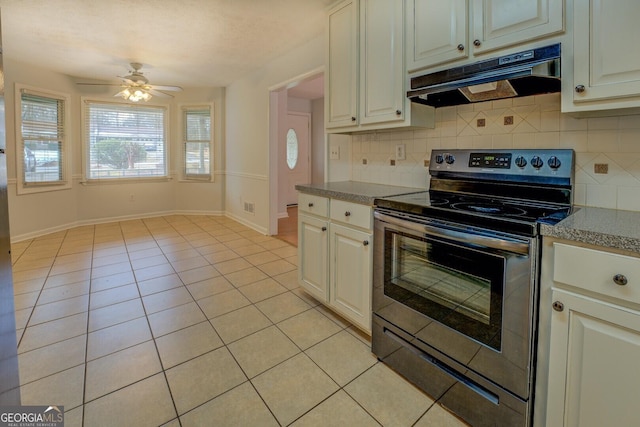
297,147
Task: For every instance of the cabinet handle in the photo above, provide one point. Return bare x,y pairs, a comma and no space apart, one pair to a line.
353,119
347,213
310,205
398,112
620,279
324,228
477,42
365,243
460,47
558,306
580,88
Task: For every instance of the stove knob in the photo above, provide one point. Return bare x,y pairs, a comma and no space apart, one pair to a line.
439,159
449,158
521,162
537,162
554,162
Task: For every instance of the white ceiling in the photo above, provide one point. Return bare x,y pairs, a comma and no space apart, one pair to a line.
189,43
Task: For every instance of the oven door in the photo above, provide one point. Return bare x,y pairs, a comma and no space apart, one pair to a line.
466,292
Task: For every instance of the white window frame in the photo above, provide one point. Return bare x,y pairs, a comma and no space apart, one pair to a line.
65,182
120,180
183,144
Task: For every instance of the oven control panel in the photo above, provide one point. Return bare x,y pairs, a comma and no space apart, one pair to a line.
489,160
515,163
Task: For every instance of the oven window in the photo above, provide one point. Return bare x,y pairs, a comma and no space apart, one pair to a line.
458,286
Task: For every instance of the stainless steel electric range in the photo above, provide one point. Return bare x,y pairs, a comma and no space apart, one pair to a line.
455,296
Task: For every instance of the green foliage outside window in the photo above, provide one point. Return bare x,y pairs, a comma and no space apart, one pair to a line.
120,154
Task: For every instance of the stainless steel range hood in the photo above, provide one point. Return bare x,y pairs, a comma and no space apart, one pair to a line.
531,72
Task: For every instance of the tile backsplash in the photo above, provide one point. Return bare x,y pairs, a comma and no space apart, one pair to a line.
528,122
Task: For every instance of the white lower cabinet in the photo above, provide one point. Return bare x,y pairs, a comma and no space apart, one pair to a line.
594,379
594,346
335,256
350,273
313,237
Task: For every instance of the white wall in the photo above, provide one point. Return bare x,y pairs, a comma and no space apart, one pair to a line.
318,141
247,131
35,214
538,123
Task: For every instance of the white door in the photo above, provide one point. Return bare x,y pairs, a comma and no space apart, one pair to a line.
296,154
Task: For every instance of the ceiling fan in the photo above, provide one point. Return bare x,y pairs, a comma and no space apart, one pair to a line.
135,86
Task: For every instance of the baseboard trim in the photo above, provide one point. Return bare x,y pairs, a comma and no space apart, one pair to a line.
96,221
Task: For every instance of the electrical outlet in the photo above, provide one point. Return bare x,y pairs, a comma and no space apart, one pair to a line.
334,153
427,163
392,162
400,152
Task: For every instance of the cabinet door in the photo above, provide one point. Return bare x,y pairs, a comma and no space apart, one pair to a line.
313,240
436,32
382,95
594,378
501,23
606,64
350,270
342,63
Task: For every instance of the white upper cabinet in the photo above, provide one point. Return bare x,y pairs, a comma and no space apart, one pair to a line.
436,32
381,57
442,31
502,23
606,66
342,69
366,78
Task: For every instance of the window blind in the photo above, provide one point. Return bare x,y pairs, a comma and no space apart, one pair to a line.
125,141
197,142
42,138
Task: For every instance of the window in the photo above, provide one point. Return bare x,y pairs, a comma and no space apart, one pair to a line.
197,142
292,148
42,141
125,141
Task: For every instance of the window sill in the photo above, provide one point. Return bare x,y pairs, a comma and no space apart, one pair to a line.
116,181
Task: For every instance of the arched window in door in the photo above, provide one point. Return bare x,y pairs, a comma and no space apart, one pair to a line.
292,148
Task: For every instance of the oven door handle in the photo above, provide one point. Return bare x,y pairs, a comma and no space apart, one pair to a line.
467,238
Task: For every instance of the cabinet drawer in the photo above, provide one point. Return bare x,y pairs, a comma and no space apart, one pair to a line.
595,270
316,205
351,213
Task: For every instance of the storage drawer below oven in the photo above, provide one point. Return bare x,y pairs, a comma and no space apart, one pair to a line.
471,397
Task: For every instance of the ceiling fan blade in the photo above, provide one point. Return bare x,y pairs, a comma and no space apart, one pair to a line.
158,93
98,84
169,88
127,80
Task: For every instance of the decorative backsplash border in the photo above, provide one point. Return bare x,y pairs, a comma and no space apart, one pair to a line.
528,122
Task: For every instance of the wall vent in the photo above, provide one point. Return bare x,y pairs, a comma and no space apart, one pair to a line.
249,207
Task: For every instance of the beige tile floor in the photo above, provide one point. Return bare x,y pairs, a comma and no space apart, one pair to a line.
193,321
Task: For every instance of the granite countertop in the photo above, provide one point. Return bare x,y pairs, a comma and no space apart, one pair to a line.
610,228
357,192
